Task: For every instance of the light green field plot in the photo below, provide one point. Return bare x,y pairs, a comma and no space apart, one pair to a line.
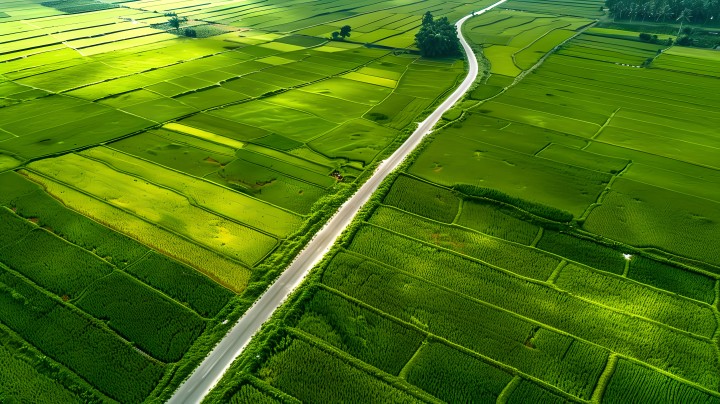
160,206
357,140
525,261
229,273
286,121
514,41
217,199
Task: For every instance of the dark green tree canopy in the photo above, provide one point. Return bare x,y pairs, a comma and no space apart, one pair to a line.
687,11
345,31
175,21
437,38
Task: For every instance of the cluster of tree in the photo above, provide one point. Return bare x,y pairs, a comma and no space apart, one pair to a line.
175,21
437,38
342,34
685,11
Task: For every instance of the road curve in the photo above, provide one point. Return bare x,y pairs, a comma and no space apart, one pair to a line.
214,366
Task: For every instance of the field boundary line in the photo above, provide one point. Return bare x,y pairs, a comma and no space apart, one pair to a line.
603,194
461,203
200,178
190,200
509,388
562,27
604,379
538,237
605,125
113,266
406,368
560,258
556,272
76,310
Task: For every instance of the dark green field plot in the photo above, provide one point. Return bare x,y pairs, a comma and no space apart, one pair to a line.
166,331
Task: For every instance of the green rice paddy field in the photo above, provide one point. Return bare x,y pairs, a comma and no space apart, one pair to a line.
153,185
554,241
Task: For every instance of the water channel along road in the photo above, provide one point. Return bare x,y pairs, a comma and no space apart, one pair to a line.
214,366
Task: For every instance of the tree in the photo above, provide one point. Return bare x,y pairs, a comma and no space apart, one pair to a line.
345,31
685,16
175,21
336,36
437,38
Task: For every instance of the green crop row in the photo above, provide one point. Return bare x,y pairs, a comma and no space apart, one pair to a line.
521,260
620,332
583,251
570,364
156,324
311,374
363,334
72,338
424,199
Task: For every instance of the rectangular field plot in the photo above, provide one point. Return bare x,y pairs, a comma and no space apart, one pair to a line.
174,210
636,213
491,332
94,352
525,261
221,269
633,381
453,159
301,366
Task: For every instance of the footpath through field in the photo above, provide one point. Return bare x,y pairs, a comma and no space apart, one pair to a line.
211,370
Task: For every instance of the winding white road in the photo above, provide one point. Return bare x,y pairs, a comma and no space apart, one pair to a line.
211,370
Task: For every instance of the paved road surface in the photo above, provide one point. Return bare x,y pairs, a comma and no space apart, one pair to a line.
206,376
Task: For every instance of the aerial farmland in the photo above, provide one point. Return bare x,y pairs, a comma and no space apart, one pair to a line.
247,201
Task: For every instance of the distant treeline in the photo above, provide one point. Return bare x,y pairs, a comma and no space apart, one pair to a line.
687,11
